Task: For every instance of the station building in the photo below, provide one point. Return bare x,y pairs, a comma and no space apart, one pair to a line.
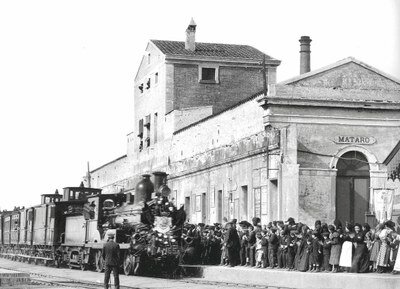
312,147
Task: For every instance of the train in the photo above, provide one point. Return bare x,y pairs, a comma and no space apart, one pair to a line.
70,229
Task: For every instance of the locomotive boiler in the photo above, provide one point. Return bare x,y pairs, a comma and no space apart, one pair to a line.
70,229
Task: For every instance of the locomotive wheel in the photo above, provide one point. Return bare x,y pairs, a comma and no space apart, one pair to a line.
99,261
129,264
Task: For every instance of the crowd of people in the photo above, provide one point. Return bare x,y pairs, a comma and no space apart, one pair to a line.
295,246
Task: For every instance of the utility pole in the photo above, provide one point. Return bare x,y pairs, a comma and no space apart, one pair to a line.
88,175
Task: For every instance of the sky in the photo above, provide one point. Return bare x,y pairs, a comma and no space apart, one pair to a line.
67,69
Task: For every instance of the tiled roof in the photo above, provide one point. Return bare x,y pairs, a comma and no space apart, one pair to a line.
177,48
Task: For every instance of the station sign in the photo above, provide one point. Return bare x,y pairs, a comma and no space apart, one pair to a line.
362,140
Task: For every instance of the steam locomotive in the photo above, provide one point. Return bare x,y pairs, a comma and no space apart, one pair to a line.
70,229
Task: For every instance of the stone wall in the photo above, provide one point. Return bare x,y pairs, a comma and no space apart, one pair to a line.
219,131
223,154
317,148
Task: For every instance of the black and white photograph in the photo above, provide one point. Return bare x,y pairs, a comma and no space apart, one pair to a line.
200,144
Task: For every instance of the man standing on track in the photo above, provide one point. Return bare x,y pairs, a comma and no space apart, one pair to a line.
111,261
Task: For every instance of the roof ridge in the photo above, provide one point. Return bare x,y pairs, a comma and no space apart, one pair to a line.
218,43
209,49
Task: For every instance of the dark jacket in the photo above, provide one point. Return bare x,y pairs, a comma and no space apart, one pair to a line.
111,253
273,242
233,239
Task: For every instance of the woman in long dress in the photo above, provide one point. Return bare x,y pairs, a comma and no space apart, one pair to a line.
376,245
233,245
336,247
300,247
383,258
305,256
347,248
360,262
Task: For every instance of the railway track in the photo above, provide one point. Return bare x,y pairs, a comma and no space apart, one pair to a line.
45,280
53,280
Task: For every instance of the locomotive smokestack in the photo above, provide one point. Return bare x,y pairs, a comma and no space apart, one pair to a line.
143,190
305,54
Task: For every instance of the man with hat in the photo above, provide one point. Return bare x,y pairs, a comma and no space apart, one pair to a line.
111,261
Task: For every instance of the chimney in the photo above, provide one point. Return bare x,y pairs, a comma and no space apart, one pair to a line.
190,43
305,52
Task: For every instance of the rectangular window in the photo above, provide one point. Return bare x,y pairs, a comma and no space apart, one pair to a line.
148,83
156,78
149,58
155,127
140,134
257,202
147,121
147,125
208,74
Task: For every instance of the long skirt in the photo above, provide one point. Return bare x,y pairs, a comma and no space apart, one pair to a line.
304,260
375,250
397,263
360,259
383,255
335,254
290,257
297,257
234,256
346,254
325,260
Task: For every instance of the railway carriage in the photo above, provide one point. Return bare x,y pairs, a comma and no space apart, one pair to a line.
71,228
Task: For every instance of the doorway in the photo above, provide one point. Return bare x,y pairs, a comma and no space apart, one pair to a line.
244,203
219,206
204,208
352,187
187,209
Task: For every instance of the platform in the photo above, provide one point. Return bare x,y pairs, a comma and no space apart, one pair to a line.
13,278
278,278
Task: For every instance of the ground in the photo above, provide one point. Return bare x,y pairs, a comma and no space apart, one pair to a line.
50,277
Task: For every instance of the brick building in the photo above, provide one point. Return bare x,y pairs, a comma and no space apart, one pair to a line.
312,148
